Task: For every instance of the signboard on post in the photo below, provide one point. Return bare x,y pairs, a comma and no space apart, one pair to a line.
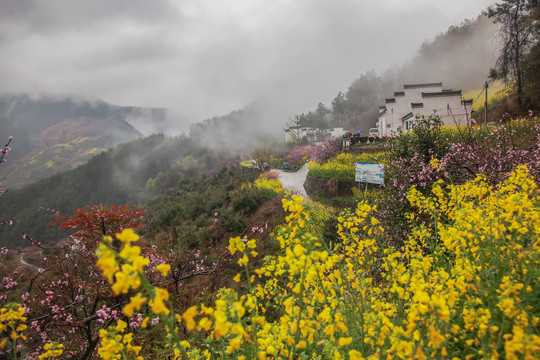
369,173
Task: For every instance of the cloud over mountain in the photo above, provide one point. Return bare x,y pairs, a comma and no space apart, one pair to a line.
207,58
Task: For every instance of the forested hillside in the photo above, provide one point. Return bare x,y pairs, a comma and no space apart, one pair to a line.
52,135
117,176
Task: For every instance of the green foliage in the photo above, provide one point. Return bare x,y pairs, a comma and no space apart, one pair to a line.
117,176
368,196
219,200
232,221
518,32
531,73
247,202
425,140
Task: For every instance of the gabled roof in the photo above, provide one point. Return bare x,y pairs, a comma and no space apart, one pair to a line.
414,86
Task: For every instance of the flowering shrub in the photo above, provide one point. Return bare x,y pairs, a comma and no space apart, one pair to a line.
462,153
453,297
12,325
248,164
269,185
494,151
343,165
298,156
325,150
431,153
52,350
124,271
467,288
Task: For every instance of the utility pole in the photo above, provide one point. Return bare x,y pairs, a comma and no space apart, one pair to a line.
485,103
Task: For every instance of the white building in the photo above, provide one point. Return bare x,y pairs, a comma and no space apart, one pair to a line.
295,133
334,133
418,100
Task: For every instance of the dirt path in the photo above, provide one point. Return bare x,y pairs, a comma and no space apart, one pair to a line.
295,180
31,266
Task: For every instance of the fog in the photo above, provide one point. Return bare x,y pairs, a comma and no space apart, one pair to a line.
199,59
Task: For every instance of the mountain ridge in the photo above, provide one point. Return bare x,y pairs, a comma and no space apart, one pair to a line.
57,134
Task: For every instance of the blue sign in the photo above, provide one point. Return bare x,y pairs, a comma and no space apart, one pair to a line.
369,173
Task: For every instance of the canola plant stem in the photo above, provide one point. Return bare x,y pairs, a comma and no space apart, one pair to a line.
300,307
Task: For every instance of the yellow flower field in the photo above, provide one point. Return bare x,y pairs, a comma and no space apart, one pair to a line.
464,286
343,165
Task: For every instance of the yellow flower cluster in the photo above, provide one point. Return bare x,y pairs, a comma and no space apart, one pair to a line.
271,187
52,350
127,277
125,271
343,165
115,343
466,288
12,324
304,218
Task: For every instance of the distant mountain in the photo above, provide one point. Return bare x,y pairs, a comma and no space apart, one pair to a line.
53,135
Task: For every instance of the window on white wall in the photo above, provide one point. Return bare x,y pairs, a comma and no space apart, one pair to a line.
408,124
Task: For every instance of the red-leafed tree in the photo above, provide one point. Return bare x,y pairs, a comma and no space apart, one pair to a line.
95,221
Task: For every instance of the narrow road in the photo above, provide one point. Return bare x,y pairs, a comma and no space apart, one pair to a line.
31,266
295,180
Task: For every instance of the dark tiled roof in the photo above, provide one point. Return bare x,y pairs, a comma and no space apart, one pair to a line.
391,100
441,93
399,93
417,105
382,107
413,86
408,116
467,102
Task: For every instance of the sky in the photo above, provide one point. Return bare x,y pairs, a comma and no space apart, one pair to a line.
201,58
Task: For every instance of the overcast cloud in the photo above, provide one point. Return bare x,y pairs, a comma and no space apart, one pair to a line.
204,58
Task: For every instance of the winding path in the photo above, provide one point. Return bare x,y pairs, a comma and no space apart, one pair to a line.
295,180
28,265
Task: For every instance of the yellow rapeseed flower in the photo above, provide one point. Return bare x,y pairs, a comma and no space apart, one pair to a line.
127,236
188,316
163,269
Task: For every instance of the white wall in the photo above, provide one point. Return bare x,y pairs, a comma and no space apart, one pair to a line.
389,121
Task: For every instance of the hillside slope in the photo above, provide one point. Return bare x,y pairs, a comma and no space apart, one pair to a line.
54,135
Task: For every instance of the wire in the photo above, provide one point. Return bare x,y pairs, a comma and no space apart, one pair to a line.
481,92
